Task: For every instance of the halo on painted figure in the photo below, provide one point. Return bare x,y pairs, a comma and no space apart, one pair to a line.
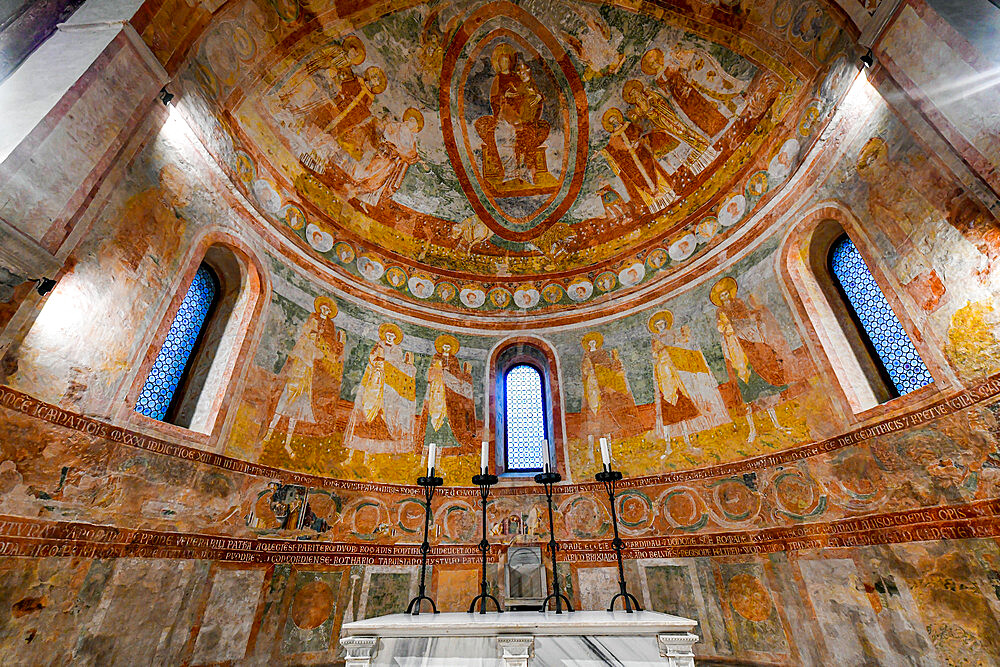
725,286
390,328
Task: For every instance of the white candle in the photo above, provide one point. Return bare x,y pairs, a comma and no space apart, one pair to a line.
605,454
430,459
484,457
545,455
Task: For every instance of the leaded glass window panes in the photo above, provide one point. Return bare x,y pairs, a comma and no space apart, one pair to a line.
884,330
175,355
525,417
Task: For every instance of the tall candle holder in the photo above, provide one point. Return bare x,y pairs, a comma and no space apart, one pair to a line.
430,482
484,482
548,480
609,478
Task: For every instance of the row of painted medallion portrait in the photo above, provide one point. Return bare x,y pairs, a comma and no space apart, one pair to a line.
421,284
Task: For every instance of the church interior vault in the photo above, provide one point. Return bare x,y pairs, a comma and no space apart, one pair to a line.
258,256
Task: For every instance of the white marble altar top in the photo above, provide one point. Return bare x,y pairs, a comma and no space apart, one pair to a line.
639,623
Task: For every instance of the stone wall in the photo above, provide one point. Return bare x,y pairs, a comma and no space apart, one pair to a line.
915,603
795,528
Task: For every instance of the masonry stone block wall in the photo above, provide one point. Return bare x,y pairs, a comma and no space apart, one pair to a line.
797,525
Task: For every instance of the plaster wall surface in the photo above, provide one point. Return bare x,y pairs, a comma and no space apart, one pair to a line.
795,528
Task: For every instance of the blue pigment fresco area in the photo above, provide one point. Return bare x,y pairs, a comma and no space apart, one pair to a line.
525,418
891,343
160,386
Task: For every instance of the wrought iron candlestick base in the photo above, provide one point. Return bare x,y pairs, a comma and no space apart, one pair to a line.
609,478
429,483
484,482
548,480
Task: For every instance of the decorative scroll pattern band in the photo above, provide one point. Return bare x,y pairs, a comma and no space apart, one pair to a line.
39,538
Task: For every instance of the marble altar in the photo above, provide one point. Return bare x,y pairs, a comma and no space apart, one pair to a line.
521,639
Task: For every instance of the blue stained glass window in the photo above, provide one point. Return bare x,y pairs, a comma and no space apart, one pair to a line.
885,332
175,355
525,418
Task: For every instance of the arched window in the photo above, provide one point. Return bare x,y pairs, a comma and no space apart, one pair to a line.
525,418
200,344
525,414
159,395
882,332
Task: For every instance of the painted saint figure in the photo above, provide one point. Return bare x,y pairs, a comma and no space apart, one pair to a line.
514,155
384,173
382,419
650,107
598,46
632,160
608,406
899,196
449,407
698,84
328,369
151,224
309,93
296,400
354,125
687,393
757,355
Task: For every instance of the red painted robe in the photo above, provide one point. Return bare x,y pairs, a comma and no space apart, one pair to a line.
449,401
695,106
608,405
328,369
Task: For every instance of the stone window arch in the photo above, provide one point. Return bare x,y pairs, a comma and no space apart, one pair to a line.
202,361
838,333
524,412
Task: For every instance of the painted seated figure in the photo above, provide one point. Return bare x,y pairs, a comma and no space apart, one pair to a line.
514,153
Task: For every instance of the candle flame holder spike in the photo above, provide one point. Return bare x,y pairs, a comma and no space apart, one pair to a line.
609,478
548,480
429,483
484,482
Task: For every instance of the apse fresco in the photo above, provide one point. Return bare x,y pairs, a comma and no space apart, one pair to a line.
458,154
715,375
417,185
936,238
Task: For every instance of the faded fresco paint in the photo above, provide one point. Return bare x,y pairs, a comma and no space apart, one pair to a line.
416,184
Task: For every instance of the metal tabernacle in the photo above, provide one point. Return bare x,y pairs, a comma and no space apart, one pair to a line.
608,477
484,482
548,480
429,483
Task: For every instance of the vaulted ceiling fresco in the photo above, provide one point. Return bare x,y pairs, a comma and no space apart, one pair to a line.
500,156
